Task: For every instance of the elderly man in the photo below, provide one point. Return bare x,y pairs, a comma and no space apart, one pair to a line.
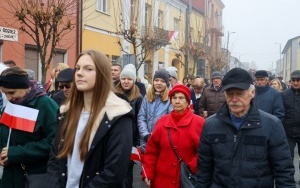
64,79
212,97
291,102
242,146
267,98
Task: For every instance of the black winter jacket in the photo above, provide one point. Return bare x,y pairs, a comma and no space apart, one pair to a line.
108,157
291,102
251,157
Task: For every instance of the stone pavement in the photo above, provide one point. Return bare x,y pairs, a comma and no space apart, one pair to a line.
138,183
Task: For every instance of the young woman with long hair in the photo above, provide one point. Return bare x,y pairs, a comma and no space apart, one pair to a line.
155,104
127,88
94,141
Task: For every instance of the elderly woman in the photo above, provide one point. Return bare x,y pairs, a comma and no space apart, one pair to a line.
275,83
29,149
162,168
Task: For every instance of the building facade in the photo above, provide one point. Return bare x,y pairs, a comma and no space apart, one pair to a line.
23,49
291,57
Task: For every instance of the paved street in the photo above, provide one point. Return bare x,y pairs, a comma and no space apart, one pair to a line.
138,183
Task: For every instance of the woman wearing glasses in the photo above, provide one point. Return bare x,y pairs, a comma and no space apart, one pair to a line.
64,79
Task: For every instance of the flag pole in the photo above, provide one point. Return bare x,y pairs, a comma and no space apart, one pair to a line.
142,165
8,139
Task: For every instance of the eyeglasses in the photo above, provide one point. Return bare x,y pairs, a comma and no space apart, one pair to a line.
295,80
64,86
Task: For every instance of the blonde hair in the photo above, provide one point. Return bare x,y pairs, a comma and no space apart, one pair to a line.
101,91
134,91
164,95
198,83
278,82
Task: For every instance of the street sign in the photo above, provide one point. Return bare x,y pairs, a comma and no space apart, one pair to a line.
8,34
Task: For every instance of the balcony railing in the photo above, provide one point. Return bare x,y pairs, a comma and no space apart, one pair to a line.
157,34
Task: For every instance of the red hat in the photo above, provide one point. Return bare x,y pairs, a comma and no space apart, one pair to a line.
182,89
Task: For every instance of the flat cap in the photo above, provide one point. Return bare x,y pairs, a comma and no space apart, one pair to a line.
236,78
65,75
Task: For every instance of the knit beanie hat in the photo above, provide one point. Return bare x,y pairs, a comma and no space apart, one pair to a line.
172,72
182,89
216,74
129,71
163,74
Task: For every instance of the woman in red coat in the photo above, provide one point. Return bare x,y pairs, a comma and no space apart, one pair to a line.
162,168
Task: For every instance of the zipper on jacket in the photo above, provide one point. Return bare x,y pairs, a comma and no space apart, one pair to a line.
234,138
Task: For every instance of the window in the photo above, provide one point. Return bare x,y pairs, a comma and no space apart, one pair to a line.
160,19
115,59
132,11
176,24
102,5
147,15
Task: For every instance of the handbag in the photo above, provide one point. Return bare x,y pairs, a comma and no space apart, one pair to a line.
187,178
34,180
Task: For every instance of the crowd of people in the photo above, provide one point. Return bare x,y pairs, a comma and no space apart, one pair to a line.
231,130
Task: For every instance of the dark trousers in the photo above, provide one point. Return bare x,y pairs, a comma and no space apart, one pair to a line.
292,143
129,176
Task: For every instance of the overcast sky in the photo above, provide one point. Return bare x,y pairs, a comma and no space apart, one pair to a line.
258,25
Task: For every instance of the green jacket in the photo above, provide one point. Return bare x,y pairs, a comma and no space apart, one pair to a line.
30,149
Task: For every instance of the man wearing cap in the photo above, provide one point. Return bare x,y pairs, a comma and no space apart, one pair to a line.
267,98
242,146
64,79
212,98
291,102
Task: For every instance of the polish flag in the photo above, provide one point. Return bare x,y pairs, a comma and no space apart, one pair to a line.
135,154
19,117
172,35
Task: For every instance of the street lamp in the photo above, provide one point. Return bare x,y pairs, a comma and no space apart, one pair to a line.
227,51
279,54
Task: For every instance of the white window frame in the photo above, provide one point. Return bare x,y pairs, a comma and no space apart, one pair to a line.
102,5
176,24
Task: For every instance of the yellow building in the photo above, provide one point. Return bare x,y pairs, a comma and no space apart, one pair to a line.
106,24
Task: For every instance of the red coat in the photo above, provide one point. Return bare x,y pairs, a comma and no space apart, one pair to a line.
160,162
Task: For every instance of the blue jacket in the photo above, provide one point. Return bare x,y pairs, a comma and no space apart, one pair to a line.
253,156
149,114
269,100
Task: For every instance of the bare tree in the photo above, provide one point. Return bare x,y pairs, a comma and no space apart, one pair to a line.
144,40
46,22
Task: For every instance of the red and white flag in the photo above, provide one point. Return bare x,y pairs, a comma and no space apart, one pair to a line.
19,117
172,35
136,154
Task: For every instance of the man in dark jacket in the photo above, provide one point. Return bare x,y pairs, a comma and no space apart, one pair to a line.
291,102
267,98
212,98
242,146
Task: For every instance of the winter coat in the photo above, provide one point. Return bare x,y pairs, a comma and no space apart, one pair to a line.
160,162
195,102
269,100
148,115
253,156
211,100
291,102
29,149
109,154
